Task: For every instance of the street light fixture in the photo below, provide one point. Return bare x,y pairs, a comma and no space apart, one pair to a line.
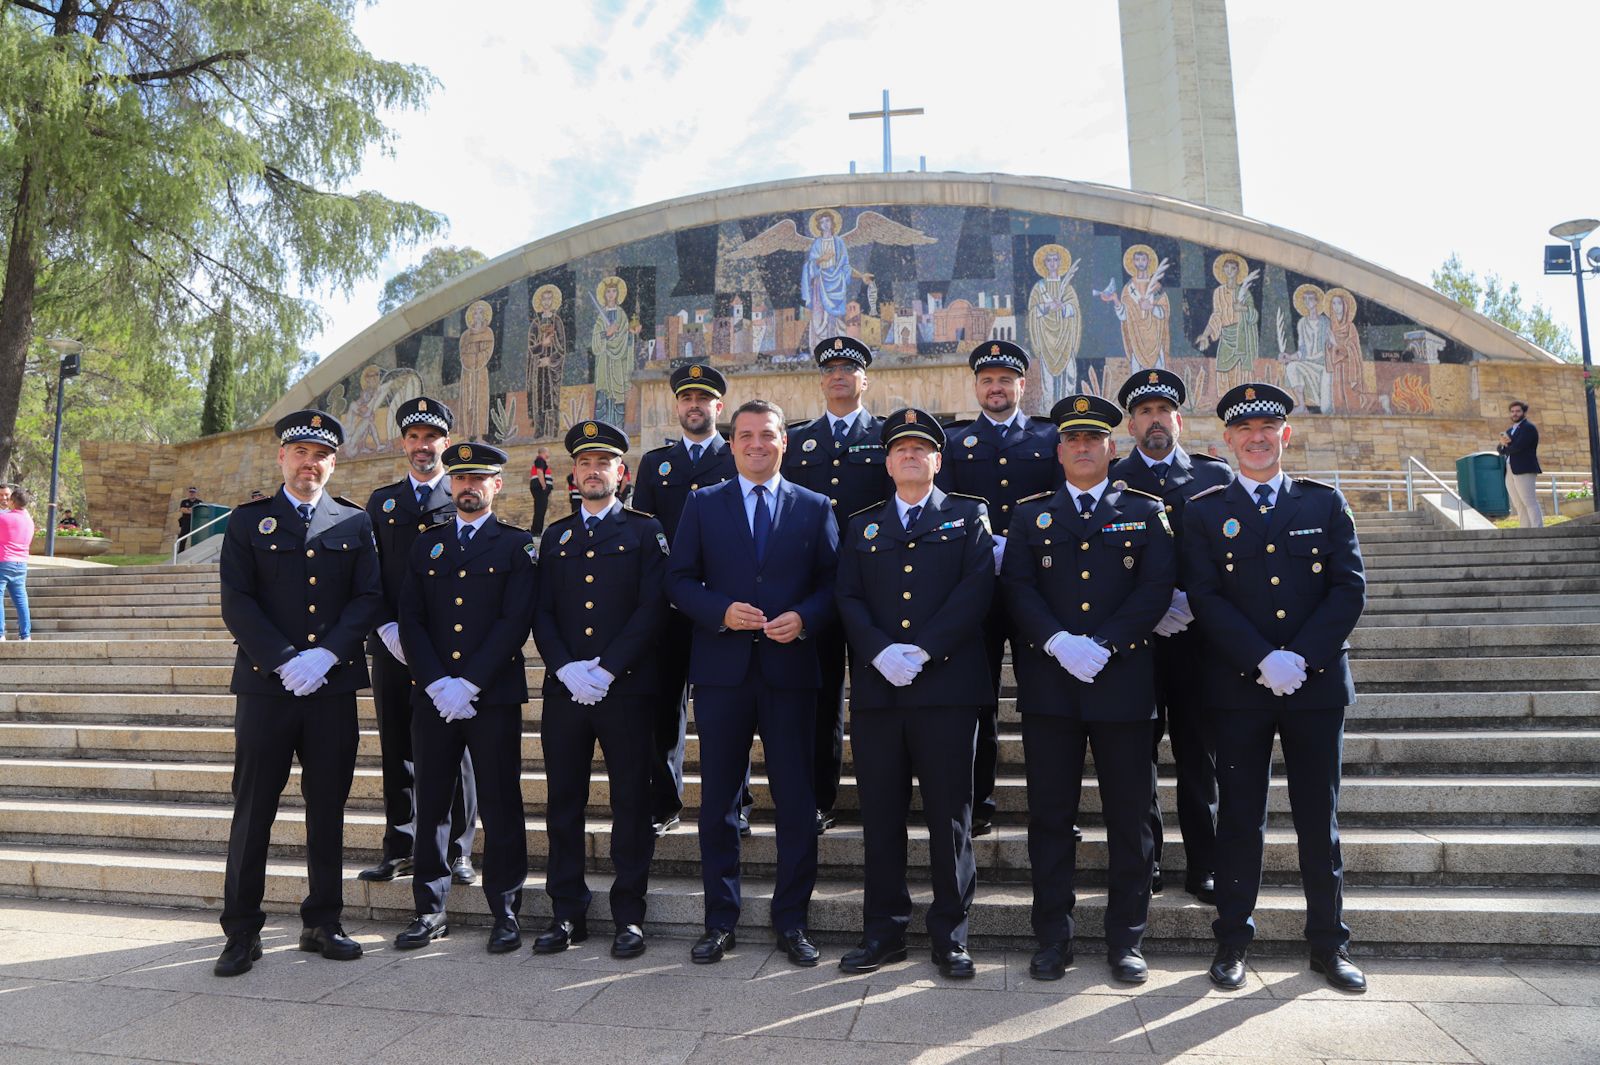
69,351
1573,233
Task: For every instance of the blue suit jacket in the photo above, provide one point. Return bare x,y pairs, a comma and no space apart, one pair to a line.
713,564
1523,452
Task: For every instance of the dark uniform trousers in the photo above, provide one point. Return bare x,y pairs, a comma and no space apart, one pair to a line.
1180,705
397,520
270,732
852,475
287,587
1109,577
999,466
466,611
1292,579
926,586
494,739
666,477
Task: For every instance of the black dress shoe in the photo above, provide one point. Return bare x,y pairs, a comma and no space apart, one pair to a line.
1127,965
665,825
461,871
629,941
982,826
1227,967
824,821
955,963
242,950
710,947
1203,888
559,936
744,824
387,869
1339,969
872,954
1051,960
331,942
506,936
424,929
800,950
1156,883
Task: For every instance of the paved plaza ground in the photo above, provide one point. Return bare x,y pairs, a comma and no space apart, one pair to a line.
86,983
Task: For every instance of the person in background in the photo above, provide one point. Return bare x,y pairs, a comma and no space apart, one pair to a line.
540,483
16,533
186,507
1520,445
68,521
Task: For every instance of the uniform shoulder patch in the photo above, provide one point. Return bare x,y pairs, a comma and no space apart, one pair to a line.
638,513
1034,498
532,548
867,509
1209,491
661,541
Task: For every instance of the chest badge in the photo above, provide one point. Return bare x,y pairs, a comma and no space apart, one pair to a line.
267,525
664,469
436,551
871,531
1043,520
970,441
1230,528
566,535
809,445
388,505
1127,561
1046,561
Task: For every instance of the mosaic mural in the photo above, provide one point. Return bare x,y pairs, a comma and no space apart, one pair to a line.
920,284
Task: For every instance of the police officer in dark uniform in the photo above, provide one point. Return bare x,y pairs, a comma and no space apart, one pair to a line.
1001,456
1087,574
602,604
465,611
1275,580
667,475
838,455
1158,465
399,513
916,574
300,591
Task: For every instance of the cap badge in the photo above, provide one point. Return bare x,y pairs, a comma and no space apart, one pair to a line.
1230,528
388,505
316,421
1082,405
1155,378
436,550
267,525
591,430
838,343
994,349
871,531
1249,393
422,404
911,417
695,371
1043,520
464,452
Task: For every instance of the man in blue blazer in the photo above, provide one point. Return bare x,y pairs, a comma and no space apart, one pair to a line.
753,567
1520,445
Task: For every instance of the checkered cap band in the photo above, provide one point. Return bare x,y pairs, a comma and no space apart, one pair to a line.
424,417
1005,362
1255,408
1165,391
296,433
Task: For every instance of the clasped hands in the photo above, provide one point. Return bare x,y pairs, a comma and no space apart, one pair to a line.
1177,617
1078,655
307,671
900,663
1282,671
453,698
785,628
587,682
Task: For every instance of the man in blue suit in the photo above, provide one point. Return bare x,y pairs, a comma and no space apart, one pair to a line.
753,567
1520,445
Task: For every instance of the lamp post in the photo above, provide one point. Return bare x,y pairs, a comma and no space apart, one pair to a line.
1573,233
69,351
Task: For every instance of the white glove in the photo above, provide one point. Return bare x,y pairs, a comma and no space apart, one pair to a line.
389,633
900,663
999,552
1078,655
600,678
1282,671
1177,617
307,671
575,675
454,699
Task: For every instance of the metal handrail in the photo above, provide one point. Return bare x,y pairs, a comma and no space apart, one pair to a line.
1411,503
191,533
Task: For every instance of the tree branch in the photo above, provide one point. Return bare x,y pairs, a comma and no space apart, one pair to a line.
38,9
199,65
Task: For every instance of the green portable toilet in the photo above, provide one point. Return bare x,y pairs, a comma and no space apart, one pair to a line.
1481,479
204,512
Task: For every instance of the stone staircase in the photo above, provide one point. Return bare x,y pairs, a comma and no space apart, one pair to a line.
1471,801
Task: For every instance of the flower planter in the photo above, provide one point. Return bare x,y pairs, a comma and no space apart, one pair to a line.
76,546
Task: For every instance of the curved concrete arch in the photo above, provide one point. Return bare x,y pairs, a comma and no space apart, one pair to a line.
1081,201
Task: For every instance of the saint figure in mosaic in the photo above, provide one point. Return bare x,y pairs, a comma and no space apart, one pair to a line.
547,351
1143,309
1234,325
1055,324
1305,370
476,348
611,342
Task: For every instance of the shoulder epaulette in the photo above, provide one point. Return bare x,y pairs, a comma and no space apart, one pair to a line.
1041,419
560,520
253,502
346,502
863,510
1319,484
800,423
440,524
1137,492
637,513
959,423
666,445
1036,495
1206,492
973,498
1202,456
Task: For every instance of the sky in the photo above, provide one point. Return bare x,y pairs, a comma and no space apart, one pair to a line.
1401,131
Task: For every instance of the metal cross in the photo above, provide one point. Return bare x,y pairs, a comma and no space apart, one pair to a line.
886,114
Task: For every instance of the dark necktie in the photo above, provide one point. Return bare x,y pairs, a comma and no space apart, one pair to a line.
695,451
1160,470
423,492
1264,497
590,521
465,535
762,526
305,512
841,429
912,515
1085,505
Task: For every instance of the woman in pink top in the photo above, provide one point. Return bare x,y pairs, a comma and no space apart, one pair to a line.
16,533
